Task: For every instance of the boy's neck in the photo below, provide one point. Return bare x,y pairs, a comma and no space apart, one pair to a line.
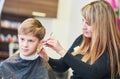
32,57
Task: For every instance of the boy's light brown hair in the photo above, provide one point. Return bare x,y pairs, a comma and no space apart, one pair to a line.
33,26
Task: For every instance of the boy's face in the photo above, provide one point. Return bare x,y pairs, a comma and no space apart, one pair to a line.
28,44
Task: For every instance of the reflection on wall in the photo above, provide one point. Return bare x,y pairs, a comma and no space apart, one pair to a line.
1,6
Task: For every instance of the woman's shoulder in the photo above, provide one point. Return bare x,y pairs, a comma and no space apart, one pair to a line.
79,39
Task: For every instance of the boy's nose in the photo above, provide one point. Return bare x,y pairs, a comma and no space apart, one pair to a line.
25,43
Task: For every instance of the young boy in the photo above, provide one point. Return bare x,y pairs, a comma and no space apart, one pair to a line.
26,64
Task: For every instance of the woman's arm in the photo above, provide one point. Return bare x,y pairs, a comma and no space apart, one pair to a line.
58,64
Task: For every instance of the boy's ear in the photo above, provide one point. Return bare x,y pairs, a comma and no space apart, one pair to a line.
40,42
40,46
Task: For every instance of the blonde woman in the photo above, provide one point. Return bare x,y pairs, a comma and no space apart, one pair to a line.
96,53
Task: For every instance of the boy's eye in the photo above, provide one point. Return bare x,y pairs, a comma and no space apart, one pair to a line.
22,39
31,41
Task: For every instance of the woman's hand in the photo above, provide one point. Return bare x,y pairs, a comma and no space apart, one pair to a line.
55,45
44,55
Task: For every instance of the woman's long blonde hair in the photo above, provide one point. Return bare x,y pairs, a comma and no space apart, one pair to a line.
105,34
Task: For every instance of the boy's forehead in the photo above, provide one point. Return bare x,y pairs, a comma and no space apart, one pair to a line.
30,34
26,35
